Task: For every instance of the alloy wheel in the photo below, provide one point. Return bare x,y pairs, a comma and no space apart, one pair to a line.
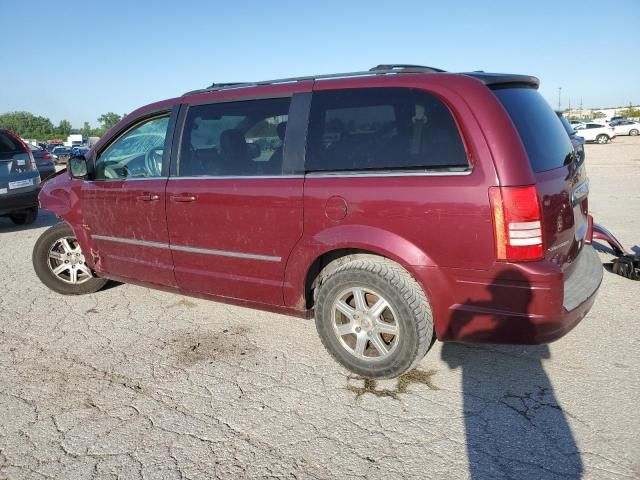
365,324
66,261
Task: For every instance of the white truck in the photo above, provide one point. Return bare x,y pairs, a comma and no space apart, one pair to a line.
74,140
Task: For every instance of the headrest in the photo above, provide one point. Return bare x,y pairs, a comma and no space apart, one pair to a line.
281,129
233,141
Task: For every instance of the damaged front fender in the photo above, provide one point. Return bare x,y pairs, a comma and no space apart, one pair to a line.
61,195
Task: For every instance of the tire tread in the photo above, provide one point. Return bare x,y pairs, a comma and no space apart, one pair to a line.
40,257
408,288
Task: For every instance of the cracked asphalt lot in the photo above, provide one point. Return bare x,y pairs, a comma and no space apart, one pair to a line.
133,383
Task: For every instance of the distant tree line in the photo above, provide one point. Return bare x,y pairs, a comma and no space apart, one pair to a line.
630,112
28,125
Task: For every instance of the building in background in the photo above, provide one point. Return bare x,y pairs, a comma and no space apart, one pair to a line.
603,114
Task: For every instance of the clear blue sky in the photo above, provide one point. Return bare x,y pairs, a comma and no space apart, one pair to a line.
76,60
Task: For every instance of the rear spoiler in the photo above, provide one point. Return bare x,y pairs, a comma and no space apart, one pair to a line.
503,80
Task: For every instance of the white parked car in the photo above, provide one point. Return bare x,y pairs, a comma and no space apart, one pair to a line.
595,132
627,127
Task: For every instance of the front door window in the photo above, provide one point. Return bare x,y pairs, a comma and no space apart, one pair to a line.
136,154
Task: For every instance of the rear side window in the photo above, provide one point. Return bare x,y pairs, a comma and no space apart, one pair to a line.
382,128
540,129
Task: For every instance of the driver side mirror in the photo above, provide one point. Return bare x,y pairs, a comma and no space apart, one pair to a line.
78,167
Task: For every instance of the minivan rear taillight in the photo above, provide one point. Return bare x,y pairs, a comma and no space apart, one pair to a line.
517,223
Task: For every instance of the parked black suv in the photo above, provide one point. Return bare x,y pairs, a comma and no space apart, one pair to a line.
19,180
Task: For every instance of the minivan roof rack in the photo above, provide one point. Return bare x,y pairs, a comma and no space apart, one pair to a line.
383,69
488,79
405,68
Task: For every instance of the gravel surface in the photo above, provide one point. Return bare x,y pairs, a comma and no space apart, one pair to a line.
135,383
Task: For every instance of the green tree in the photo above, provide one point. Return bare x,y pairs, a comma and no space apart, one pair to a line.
64,128
108,120
28,125
630,112
598,115
86,130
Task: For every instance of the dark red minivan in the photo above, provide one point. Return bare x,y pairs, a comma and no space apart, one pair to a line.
396,205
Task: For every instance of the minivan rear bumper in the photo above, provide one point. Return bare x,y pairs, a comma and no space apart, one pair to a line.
525,303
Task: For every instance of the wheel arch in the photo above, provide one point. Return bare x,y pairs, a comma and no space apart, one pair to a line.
311,256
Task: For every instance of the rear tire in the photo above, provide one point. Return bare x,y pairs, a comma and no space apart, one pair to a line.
633,132
59,263
373,317
602,139
26,217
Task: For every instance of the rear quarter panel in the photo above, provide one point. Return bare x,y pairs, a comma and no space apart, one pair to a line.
421,221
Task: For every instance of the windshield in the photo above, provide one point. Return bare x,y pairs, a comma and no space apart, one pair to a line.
540,129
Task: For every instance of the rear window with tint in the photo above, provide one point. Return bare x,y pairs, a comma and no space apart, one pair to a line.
545,139
9,145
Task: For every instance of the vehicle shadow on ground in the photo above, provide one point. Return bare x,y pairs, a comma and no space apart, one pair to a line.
514,424
45,219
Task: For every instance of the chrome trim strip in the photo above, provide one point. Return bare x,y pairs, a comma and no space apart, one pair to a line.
234,177
388,174
131,241
180,248
225,253
125,179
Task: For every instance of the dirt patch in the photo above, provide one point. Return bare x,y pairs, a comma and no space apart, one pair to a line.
230,343
183,303
413,377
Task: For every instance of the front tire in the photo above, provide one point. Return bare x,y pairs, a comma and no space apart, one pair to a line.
373,317
59,263
633,132
602,139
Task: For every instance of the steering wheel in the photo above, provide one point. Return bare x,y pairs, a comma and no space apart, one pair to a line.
110,172
153,161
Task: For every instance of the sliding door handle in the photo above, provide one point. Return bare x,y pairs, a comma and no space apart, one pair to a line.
148,197
184,198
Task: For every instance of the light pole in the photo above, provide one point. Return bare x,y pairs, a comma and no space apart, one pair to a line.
559,94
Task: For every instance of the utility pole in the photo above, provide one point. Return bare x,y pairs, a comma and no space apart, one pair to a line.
581,108
559,96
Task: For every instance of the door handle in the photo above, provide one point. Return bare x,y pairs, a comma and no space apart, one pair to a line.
148,197
184,198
